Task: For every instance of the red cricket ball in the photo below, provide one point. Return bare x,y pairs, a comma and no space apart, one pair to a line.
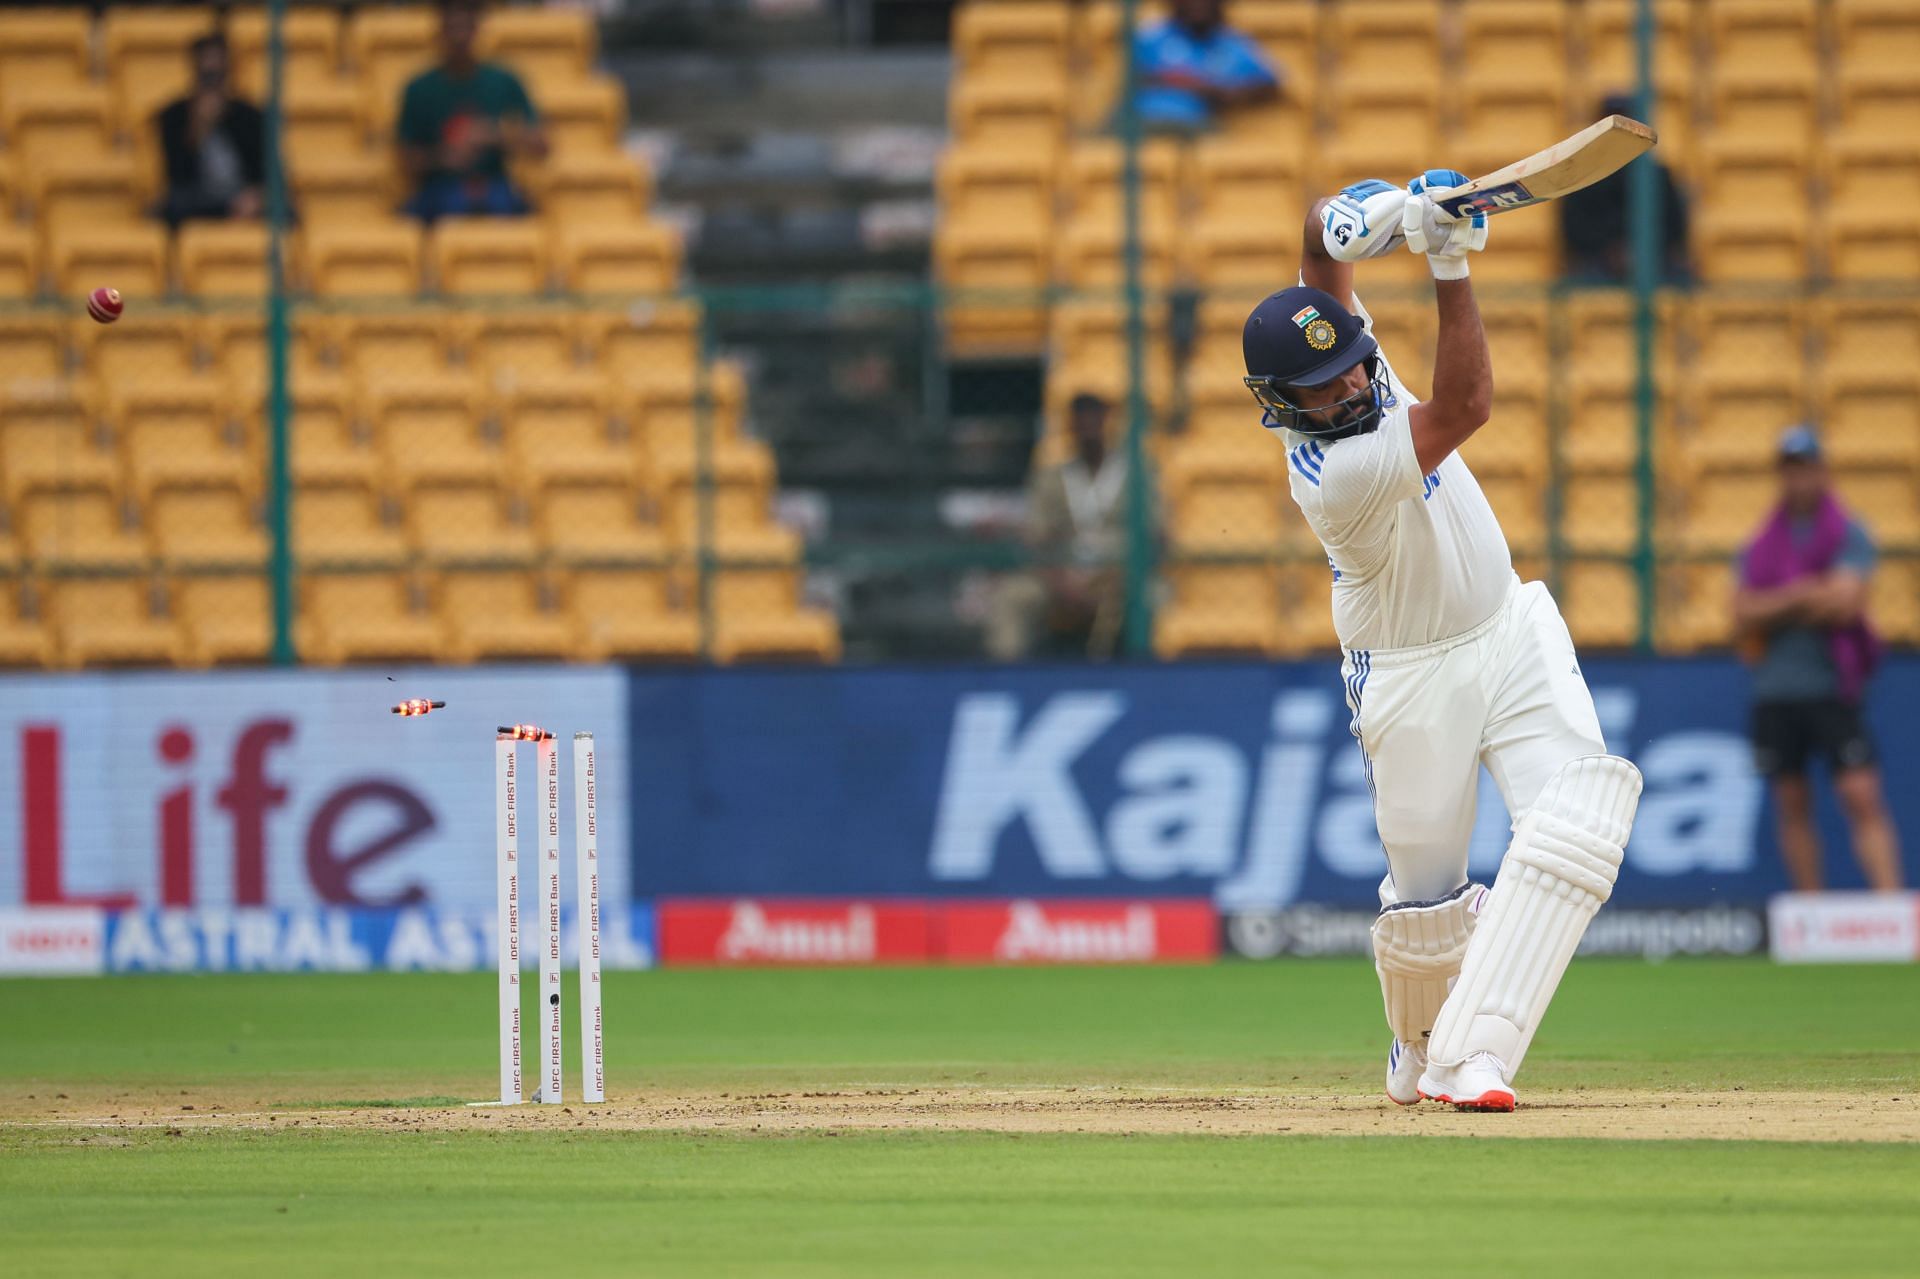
105,305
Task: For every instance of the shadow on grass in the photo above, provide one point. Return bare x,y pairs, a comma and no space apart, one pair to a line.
372,1103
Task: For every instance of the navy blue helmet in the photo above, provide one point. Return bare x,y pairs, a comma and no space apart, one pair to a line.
1301,337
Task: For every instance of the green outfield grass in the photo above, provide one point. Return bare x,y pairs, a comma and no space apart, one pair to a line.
198,1201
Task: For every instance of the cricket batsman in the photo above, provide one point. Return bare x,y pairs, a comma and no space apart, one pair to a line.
1449,659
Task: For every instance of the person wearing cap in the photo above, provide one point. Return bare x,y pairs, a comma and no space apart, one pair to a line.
1801,614
1450,662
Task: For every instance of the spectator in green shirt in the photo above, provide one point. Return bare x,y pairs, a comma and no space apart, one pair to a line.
459,123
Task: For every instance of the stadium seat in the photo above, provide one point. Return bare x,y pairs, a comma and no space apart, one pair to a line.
1866,244
1212,514
1778,39
1506,118
1381,125
377,259
1247,177
1089,342
339,520
995,280
1602,432
1877,102
1724,509
586,519
1517,336
80,525
320,118
1870,415
111,621
1744,171
44,121
66,193
48,438
561,424
731,519
1738,335
326,441
202,525
368,616
660,339
1239,255
1886,500
494,613
1737,414
1011,39
1402,34
19,262
235,344
310,43
1221,610
25,640
222,259
1020,111
1501,37
1877,35
1870,174
592,187
175,430
1514,442
1758,106
226,617
1094,183
1005,188
584,115
35,346
1529,254
757,616
150,343
455,521
506,344
633,612
40,46
1868,330
1520,503
432,426
382,40
1092,256
489,256
145,53
669,418
331,188
1607,35
1753,245
395,341
1894,602
1601,602
634,258
543,45
1287,32
1600,514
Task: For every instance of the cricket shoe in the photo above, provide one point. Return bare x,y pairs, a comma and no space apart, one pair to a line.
1405,1062
1478,1083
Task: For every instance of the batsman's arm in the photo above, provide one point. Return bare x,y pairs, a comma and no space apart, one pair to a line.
1318,268
1462,378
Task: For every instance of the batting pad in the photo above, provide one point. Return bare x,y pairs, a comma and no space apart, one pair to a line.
1565,855
1417,950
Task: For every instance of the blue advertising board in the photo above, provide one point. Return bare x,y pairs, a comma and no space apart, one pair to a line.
1234,781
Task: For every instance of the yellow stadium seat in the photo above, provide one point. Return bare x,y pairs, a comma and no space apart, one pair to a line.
397,341
1500,37
660,339
1514,442
1517,337
227,617
320,118
1405,330
1753,245
399,39
1005,188
463,522
206,524
592,187
1608,38
1871,173
48,438
1247,177
222,259
145,53
1096,63
25,640
111,621
1027,111
326,441
1227,516
1881,35
506,345
1739,335
1402,34
494,613
1240,255
235,344
1867,244
145,344
1509,116
633,612
1738,414
362,616
733,519
1381,125
483,256
1216,355
560,423
35,346
1894,603
1753,105
44,121
45,46
757,616
1520,503
1602,604
1743,171
1092,256
1602,431
1218,409
432,426
1870,415
1288,33
1089,340
19,262
996,280
1877,102
1600,514
641,257
595,519
1885,499
1725,508
1865,331
81,525
310,44
1529,253
1011,39
177,430
65,193
341,520
584,115
331,188
1221,609
1773,38
669,417
379,259
541,44
1095,173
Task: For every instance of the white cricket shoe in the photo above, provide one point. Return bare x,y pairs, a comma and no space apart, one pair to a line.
1478,1083
1405,1062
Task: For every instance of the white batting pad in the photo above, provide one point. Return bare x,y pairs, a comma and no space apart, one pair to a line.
1561,866
1417,950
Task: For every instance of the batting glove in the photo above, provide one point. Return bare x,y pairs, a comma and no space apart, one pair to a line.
1363,221
1428,229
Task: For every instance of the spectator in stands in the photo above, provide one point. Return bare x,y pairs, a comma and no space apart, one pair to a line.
1193,67
214,144
460,122
1594,221
1073,604
1801,615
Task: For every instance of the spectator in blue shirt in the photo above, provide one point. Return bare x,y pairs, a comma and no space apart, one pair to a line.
1193,66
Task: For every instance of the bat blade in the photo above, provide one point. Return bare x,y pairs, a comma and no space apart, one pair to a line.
1599,149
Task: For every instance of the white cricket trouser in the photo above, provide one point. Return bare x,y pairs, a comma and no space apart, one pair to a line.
1508,692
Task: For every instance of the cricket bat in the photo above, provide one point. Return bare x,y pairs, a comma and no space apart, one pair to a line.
1561,169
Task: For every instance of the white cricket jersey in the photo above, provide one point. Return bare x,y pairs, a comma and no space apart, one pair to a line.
1416,558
